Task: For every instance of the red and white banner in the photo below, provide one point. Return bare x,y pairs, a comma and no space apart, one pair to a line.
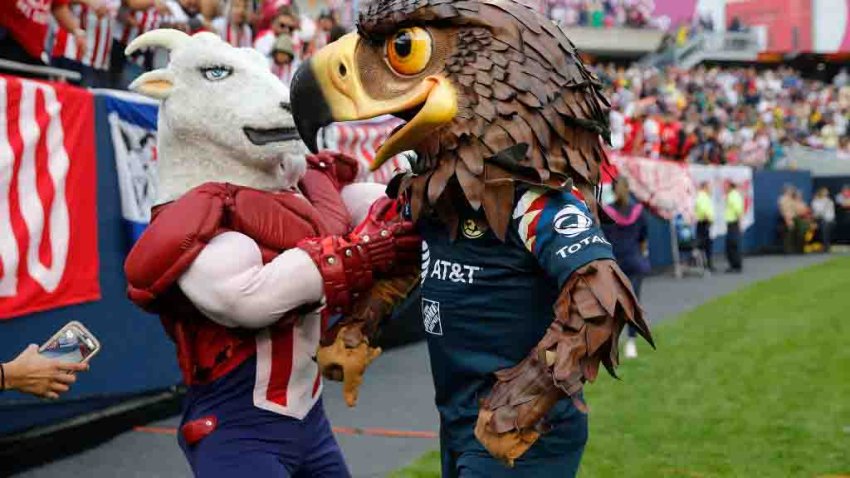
361,140
48,224
665,186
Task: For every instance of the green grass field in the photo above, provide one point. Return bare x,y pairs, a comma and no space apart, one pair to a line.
754,384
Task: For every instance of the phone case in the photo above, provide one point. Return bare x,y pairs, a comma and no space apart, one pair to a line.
84,330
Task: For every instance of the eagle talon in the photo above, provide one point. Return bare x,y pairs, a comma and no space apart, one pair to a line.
347,363
505,447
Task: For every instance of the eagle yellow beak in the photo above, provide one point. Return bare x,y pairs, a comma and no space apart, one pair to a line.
327,88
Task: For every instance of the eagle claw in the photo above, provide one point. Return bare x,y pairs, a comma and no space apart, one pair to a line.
346,363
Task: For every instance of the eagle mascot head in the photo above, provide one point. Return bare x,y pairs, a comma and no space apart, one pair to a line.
492,93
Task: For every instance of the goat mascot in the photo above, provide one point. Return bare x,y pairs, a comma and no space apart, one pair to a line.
521,298
251,240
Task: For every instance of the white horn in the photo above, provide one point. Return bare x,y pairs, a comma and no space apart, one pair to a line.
163,37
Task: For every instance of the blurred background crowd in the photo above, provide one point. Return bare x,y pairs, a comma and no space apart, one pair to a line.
732,115
89,36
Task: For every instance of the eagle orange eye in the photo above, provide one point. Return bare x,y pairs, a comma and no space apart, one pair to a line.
409,51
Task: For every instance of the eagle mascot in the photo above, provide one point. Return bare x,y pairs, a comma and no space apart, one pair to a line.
521,297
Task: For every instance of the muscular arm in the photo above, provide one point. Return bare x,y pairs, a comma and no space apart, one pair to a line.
229,284
359,197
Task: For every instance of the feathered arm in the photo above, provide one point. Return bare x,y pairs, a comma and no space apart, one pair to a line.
591,311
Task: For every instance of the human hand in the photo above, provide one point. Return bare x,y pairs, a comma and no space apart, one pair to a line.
346,361
81,40
37,375
101,9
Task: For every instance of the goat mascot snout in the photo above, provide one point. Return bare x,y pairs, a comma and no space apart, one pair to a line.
224,116
251,253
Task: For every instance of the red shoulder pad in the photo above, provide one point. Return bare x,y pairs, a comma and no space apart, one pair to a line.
175,237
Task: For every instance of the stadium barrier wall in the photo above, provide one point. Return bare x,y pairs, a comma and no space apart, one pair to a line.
136,357
762,237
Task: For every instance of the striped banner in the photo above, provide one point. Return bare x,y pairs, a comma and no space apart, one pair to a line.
361,140
48,224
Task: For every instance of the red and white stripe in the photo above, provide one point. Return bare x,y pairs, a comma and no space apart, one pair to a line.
362,140
284,72
288,381
236,35
98,36
140,21
48,255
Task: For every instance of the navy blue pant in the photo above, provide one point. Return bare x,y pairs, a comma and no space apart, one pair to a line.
733,245
251,442
282,447
557,454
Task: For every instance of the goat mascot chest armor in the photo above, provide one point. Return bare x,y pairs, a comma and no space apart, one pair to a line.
249,253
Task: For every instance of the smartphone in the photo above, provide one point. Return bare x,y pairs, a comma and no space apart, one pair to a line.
72,343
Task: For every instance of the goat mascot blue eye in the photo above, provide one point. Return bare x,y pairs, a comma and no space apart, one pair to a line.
217,73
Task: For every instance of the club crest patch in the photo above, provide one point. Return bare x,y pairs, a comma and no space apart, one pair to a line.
431,317
471,230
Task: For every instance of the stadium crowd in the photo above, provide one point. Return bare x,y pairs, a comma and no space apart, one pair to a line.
703,115
606,13
89,36
724,115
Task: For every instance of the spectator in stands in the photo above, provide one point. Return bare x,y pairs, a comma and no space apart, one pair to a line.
628,234
234,26
704,212
803,222
186,15
24,26
99,19
322,37
132,23
734,215
787,212
284,23
37,375
91,59
284,62
823,210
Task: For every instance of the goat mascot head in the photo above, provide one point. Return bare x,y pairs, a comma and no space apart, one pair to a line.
223,116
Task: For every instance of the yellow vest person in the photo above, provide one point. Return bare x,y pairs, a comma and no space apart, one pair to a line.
704,212
734,213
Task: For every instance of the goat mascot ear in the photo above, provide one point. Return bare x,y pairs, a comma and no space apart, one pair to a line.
158,83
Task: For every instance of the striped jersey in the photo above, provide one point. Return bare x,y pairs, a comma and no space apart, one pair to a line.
136,23
239,36
99,32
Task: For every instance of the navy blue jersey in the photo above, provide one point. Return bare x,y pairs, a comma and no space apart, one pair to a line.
487,303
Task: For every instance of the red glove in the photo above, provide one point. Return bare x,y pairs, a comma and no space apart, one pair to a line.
378,245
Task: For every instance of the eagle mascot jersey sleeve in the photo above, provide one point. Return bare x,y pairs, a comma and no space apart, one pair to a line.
486,303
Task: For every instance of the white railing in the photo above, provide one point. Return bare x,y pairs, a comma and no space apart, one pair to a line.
46,72
718,46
